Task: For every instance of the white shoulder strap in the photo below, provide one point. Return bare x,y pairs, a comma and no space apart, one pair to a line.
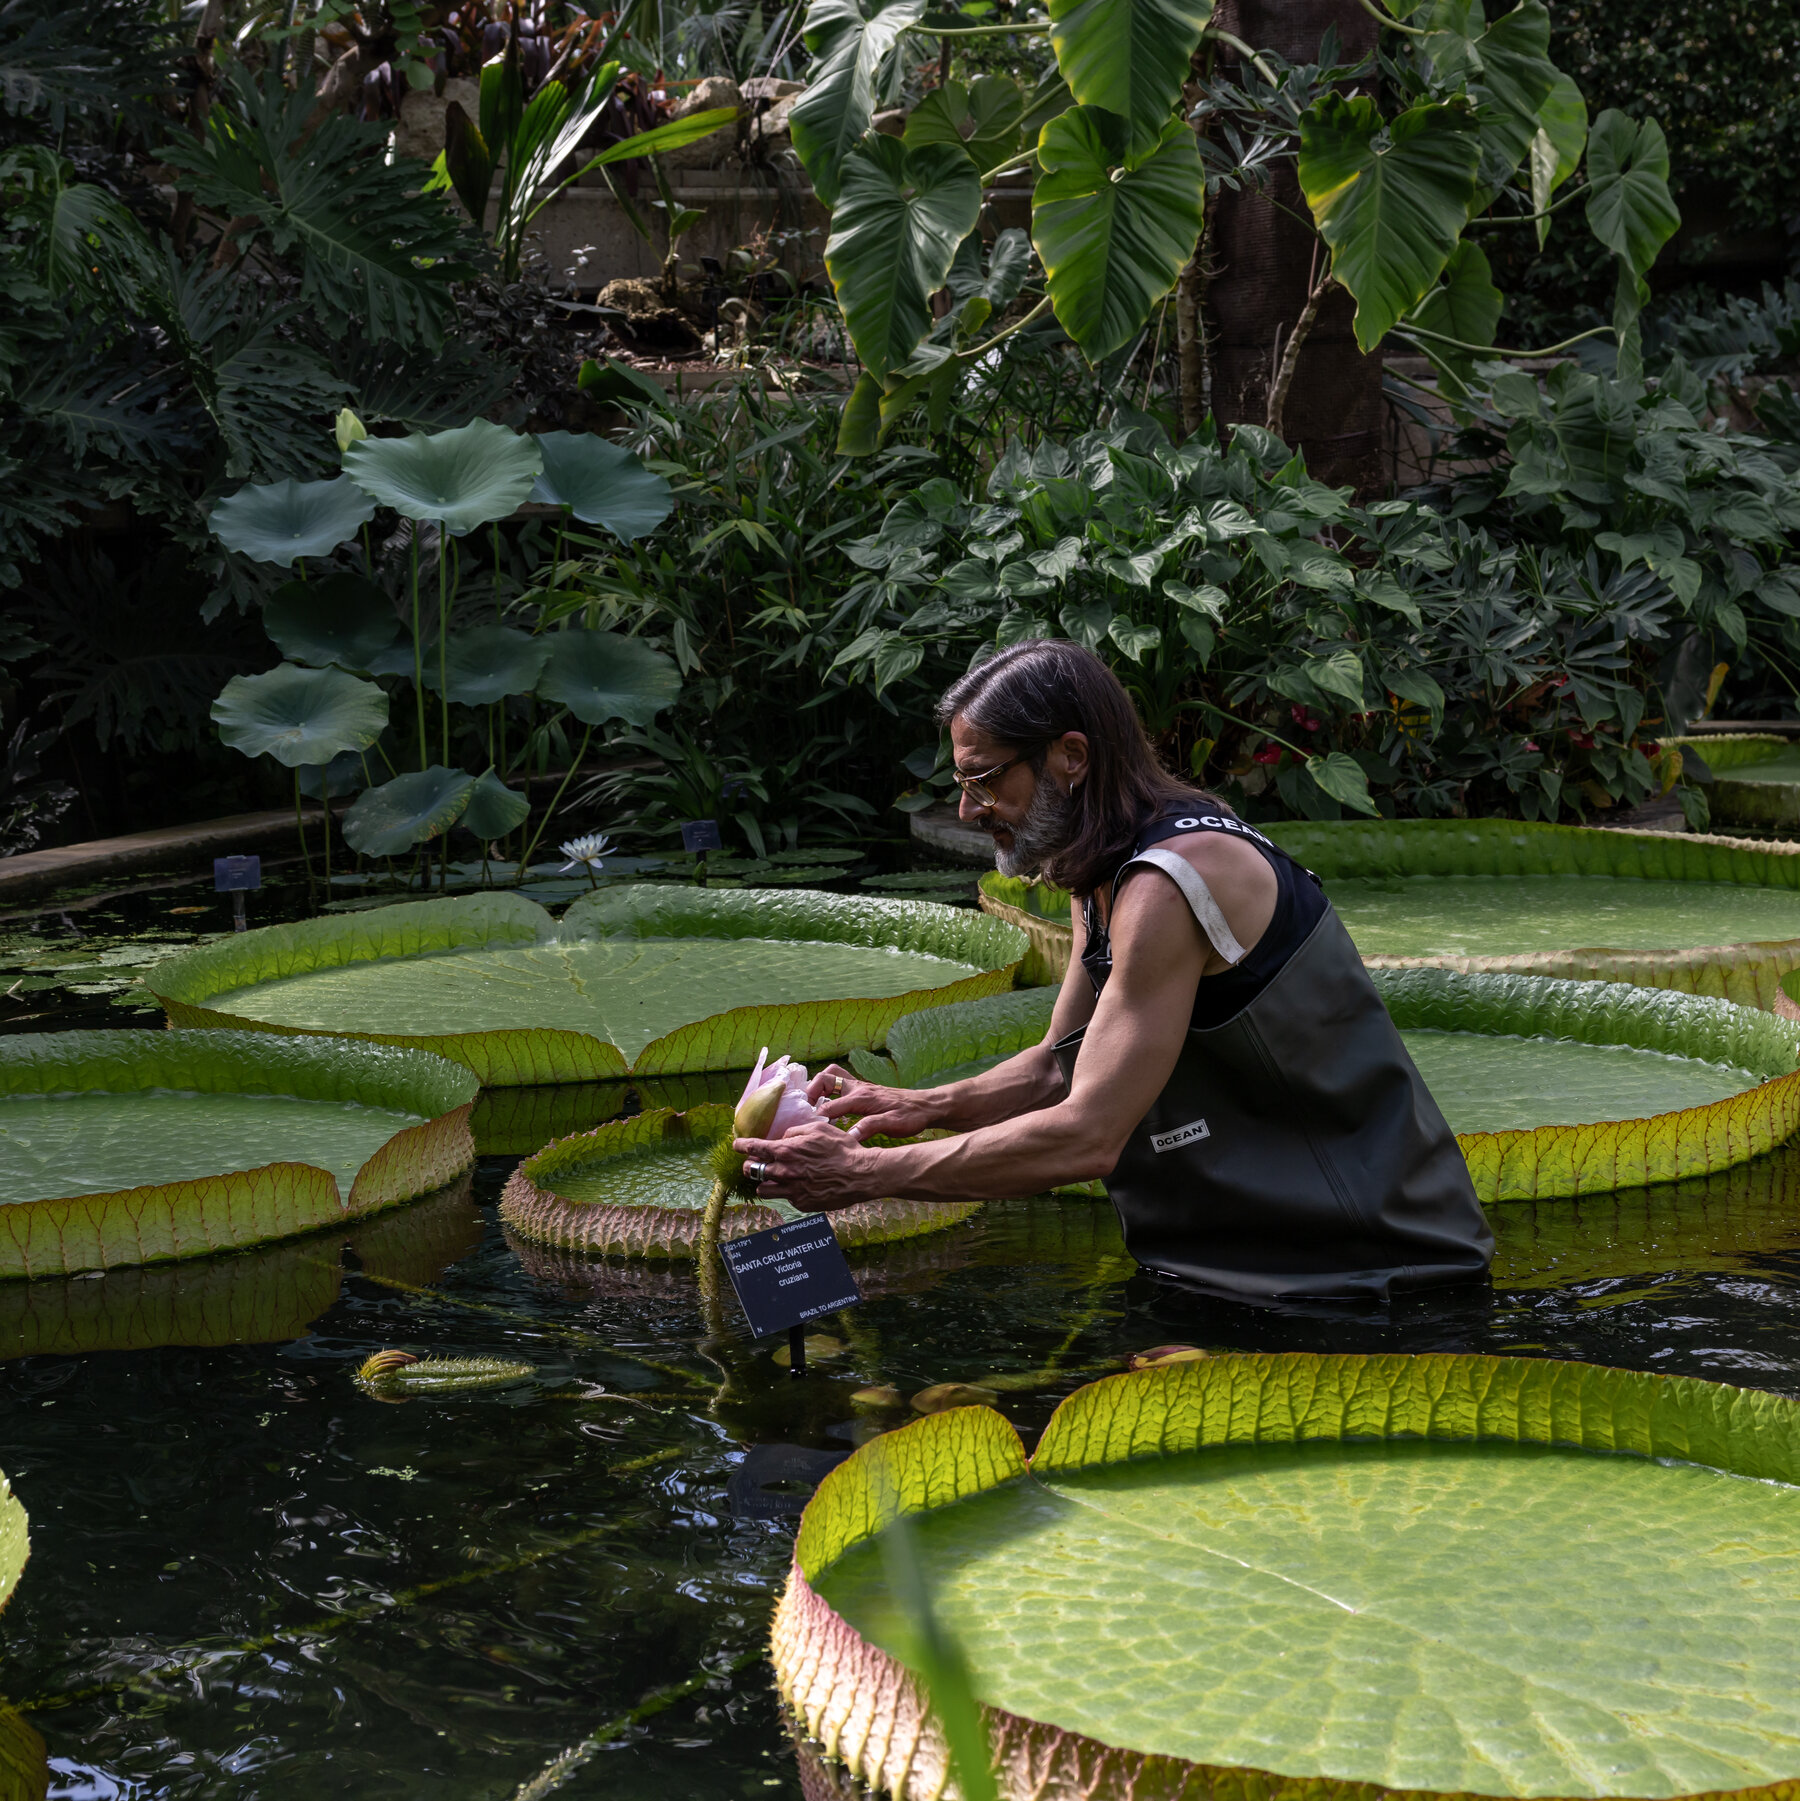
1199,897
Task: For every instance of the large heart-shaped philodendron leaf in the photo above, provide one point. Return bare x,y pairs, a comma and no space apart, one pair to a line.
299,715
849,42
604,675
981,120
713,978
1629,207
1114,230
342,619
1516,79
278,522
460,479
1465,306
899,217
142,1147
488,663
388,821
1556,149
494,809
1389,196
1129,57
638,1188
601,484
1230,1566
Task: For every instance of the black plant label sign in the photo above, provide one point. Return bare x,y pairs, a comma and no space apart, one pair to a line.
701,835
789,1274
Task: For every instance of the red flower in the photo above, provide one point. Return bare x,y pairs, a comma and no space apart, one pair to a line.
1531,744
1304,719
1581,740
1270,753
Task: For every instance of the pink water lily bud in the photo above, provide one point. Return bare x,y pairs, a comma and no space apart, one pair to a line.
774,1099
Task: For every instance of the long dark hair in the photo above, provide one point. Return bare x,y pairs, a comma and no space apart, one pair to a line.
1027,697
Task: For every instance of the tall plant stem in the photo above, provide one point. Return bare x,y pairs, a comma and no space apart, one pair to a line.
555,799
300,826
418,653
711,1294
1233,42
325,802
443,644
1290,357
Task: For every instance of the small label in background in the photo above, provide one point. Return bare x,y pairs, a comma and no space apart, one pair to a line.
701,835
237,875
1189,1134
789,1274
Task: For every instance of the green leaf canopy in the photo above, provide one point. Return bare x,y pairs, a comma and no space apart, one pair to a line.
1389,196
1114,230
601,483
388,821
1516,81
488,663
342,619
460,479
1128,57
494,809
604,675
299,715
899,217
849,44
1330,1576
1556,149
276,522
1465,306
981,120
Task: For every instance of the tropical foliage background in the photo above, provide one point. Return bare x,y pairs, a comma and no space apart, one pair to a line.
226,292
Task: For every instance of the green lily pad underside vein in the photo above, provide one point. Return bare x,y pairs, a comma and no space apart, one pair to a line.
628,992
96,1143
1503,1619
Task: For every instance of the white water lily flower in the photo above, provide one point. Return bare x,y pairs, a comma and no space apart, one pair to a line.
774,1100
588,850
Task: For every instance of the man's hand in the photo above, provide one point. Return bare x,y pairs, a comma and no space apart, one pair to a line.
882,1112
816,1168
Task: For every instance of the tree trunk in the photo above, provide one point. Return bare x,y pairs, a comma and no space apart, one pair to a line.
1262,272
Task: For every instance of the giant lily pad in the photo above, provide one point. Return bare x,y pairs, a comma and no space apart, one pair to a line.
604,675
638,1187
340,619
388,821
1757,778
1701,915
601,483
461,479
635,978
1568,1088
138,1147
266,1295
15,1543
1329,1576
299,716
279,522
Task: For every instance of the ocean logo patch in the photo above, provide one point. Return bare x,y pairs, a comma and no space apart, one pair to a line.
1191,1133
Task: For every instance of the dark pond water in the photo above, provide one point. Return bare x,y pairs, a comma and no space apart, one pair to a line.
250,1579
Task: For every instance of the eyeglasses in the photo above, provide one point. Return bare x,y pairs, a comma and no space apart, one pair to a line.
979,788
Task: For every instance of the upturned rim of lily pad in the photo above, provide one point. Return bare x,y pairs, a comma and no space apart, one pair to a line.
865,1711
162,1222
195,986
533,1207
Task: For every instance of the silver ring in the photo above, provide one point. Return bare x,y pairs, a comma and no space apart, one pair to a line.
757,1172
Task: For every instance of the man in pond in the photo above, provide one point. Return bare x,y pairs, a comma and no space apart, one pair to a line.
1218,1055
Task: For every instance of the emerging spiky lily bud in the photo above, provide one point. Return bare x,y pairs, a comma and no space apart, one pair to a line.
773,1103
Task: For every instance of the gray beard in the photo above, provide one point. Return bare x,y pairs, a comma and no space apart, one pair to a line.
1039,835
